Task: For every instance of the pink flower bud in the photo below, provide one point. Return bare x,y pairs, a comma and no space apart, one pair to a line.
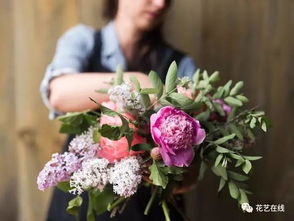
155,153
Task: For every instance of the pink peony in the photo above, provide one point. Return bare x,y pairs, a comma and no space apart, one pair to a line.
114,150
176,133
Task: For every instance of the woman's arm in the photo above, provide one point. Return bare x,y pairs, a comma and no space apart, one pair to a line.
71,92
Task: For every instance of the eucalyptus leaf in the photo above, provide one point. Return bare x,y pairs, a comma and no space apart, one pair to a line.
224,139
220,171
220,149
233,102
235,90
222,183
227,88
102,91
234,190
218,159
195,78
236,176
214,77
243,196
247,166
242,98
252,157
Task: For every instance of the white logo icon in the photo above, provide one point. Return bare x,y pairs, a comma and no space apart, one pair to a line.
246,207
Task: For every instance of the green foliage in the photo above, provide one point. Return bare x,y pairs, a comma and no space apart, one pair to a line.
78,122
64,186
158,174
171,78
142,147
119,75
74,205
156,83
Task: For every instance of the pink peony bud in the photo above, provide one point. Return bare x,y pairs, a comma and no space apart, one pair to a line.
155,153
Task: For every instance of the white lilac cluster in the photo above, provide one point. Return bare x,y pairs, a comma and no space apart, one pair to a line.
125,176
126,98
58,169
83,145
92,174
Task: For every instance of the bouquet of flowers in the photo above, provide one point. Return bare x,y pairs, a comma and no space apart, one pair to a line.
154,137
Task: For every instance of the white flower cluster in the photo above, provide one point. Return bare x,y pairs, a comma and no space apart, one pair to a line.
125,176
125,98
93,173
83,145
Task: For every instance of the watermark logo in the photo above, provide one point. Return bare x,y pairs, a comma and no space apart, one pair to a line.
263,208
247,208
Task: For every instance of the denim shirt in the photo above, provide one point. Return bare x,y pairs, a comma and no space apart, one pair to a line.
74,49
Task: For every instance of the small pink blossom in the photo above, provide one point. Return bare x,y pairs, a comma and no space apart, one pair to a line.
184,91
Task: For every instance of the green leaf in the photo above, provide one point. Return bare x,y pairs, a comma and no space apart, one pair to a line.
73,206
236,176
64,186
102,91
218,108
234,129
234,190
247,166
239,163
171,78
253,122
252,157
179,99
221,184
227,88
90,210
111,132
214,77
145,100
96,135
235,90
158,176
219,93
203,168
135,82
142,146
119,75
242,98
218,159
233,102
243,197
224,139
156,83
203,116
220,171
148,91
195,78
102,199
220,149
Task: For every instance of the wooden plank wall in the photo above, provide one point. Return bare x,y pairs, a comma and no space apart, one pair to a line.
245,40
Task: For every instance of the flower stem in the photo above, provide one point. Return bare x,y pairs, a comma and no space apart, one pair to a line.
165,210
117,202
150,202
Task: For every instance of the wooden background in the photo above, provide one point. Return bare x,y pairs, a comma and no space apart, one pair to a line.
244,39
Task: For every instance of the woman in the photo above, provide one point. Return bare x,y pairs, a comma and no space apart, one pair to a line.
85,60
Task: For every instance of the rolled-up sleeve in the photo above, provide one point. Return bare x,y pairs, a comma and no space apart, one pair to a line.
187,67
71,57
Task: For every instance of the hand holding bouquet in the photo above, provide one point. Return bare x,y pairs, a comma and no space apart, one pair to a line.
132,141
